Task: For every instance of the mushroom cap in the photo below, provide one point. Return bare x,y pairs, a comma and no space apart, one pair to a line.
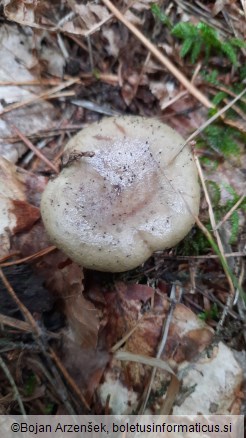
110,209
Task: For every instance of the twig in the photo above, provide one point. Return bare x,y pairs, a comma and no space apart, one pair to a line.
38,254
174,99
15,323
244,7
68,378
208,294
226,90
9,256
23,326
229,213
32,82
25,312
158,55
14,387
36,151
146,360
97,26
234,107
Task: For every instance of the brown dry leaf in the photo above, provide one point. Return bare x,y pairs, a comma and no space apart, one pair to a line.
85,365
22,12
219,6
26,215
188,335
138,5
124,307
44,15
65,279
17,214
137,306
91,14
83,319
163,91
87,17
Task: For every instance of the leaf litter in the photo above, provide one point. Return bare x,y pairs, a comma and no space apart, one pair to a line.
99,318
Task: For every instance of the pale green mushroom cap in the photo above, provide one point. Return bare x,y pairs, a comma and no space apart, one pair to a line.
112,210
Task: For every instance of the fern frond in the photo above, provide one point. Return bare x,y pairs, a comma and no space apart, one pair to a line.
230,52
158,13
186,46
184,30
197,46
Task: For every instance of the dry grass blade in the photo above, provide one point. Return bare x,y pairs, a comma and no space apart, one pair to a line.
14,323
213,223
123,340
161,58
229,213
150,361
209,121
25,312
229,275
160,348
22,326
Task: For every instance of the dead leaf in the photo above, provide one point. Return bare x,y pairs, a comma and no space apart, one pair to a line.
85,365
16,213
220,373
26,215
219,6
17,50
65,279
91,13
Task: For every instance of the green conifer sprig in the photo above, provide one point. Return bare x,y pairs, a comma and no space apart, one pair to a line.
203,38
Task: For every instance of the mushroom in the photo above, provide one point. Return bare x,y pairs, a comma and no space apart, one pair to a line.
125,191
